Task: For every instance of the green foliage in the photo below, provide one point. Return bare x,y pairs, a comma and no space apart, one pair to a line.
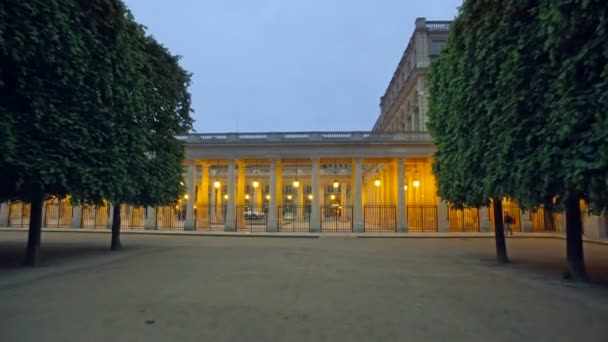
85,99
518,103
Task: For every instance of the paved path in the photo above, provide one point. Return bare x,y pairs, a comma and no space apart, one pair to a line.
196,288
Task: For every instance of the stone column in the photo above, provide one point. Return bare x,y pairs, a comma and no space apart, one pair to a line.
259,192
443,225
300,201
230,224
594,226
203,190
190,189
358,202
110,207
484,220
526,222
272,203
150,221
343,202
76,221
315,217
203,208
4,209
401,225
240,193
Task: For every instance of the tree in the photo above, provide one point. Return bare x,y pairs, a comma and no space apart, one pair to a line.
461,96
66,107
538,101
166,114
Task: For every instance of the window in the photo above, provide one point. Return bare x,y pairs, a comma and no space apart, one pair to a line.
437,46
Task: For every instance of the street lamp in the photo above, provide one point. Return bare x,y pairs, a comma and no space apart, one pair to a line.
256,184
217,184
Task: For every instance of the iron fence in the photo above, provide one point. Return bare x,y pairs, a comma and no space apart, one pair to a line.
541,220
294,218
379,218
210,217
58,214
463,220
170,217
95,216
251,218
513,210
422,218
132,217
19,214
337,219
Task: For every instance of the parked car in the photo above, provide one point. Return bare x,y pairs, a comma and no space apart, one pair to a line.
253,215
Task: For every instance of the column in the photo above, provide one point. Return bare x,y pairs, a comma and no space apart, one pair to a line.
443,225
594,226
526,222
76,221
259,193
272,203
343,203
300,200
279,183
4,209
230,224
203,190
110,207
358,203
203,207
240,193
401,226
484,219
315,218
190,188
150,222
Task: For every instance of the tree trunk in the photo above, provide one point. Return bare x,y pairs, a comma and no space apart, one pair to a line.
32,253
548,218
499,233
574,240
116,245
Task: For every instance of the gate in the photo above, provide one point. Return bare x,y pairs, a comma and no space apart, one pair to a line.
251,218
19,214
210,217
294,218
95,216
132,217
422,218
463,220
512,209
337,219
58,214
379,218
171,217
539,220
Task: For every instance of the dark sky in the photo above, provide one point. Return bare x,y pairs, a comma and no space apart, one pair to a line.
287,65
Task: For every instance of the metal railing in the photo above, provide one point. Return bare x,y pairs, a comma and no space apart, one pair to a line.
465,220
380,218
170,218
294,218
251,218
513,210
438,26
95,216
58,214
303,137
19,214
132,217
210,217
422,218
337,219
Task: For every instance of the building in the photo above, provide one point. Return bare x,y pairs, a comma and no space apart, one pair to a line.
377,181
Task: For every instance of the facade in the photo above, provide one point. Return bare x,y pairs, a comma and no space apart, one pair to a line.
378,181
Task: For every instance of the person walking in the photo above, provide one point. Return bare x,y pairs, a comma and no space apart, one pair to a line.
508,223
